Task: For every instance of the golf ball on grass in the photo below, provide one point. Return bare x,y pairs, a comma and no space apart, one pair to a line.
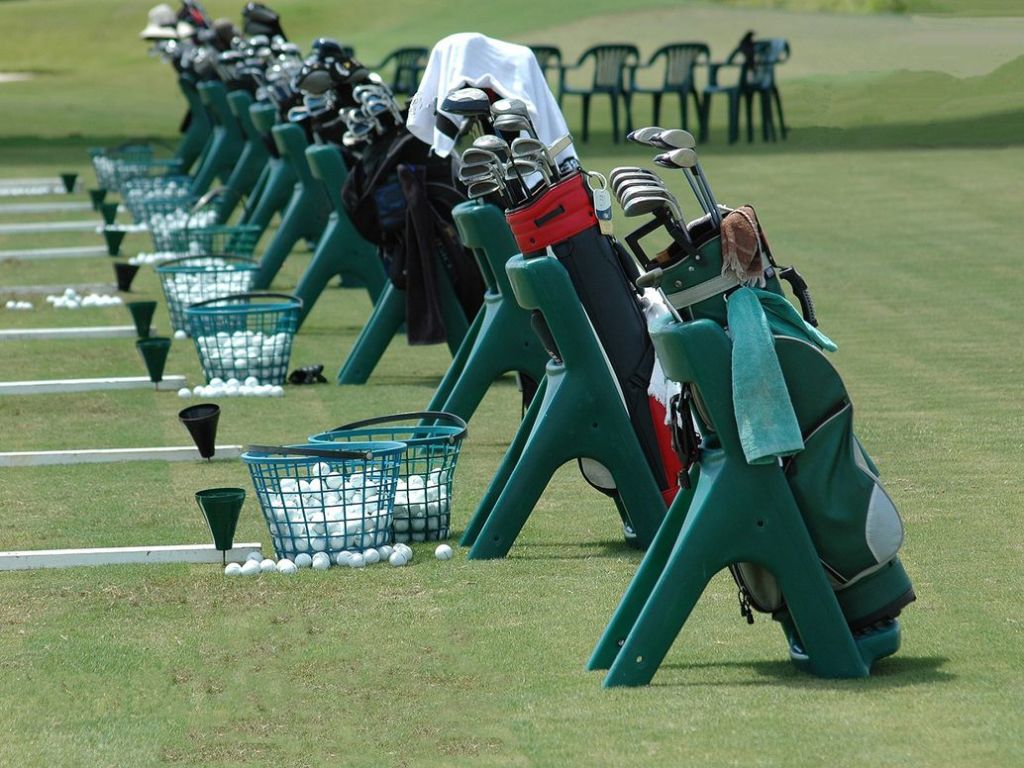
343,557
232,569
321,561
180,334
443,552
371,556
356,561
257,556
397,559
250,568
268,566
286,566
185,393
303,560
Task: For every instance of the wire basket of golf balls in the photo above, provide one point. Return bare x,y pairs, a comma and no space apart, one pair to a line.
145,204
423,497
198,240
192,279
105,161
161,173
319,498
245,334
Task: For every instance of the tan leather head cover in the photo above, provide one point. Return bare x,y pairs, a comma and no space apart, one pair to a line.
743,247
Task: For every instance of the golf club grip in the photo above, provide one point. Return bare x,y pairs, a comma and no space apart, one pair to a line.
802,293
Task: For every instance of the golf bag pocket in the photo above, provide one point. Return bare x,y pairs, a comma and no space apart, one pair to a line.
562,212
853,522
390,205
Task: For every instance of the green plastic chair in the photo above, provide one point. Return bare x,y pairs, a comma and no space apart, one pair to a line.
500,339
226,139
549,59
610,63
341,250
677,68
407,65
306,214
251,162
577,413
756,78
277,182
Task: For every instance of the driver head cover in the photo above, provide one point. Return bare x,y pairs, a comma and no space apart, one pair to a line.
743,247
161,24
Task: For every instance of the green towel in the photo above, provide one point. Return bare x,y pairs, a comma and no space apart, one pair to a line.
765,419
784,320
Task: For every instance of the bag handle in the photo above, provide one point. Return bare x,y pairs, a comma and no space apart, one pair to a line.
250,295
318,453
457,421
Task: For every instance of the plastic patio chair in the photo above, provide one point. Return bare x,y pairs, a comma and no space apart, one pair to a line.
549,57
680,61
408,65
756,77
610,62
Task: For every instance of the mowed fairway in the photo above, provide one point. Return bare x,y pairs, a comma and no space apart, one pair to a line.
902,219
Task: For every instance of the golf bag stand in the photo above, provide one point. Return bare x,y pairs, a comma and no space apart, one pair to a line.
277,182
776,524
341,249
580,411
251,161
197,134
306,213
226,141
501,338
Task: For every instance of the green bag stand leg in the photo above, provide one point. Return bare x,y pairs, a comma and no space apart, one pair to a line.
736,513
226,140
340,249
251,161
306,213
196,136
386,320
501,339
277,182
581,415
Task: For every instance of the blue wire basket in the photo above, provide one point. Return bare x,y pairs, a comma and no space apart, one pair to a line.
193,279
245,334
317,498
424,495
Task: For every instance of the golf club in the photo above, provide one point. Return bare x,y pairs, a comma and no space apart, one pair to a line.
687,159
644,135
665,161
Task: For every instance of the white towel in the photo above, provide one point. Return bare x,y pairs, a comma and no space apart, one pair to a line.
469,59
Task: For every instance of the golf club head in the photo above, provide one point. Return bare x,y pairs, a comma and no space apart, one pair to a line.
526,166
651,193
475,169
681,158
644,135
476,155
510,107
468,102
675,138
514,123
483,188
622,178
527,146
493,144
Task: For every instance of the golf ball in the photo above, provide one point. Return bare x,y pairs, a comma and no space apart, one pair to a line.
257,556
268,566
406,551
286,566
343,557
303,560
180,334
371,556
232,569
443,552
250,568
321,561
356,561
185,393
397,559
385,552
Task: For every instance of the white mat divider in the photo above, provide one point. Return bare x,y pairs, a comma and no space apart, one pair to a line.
83,332
59,386
111,456
37,254
175,553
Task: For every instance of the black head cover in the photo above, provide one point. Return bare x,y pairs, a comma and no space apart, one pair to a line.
466,101
258,19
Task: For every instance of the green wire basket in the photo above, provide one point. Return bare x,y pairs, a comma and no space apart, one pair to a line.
433,442
316,498
245,334
193,279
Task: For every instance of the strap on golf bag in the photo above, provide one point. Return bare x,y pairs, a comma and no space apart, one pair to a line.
563,220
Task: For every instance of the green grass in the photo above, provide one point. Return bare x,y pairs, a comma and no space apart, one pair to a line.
897,197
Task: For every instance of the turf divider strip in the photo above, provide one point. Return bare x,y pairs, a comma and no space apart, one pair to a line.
56,386
175,553
111,455
83,332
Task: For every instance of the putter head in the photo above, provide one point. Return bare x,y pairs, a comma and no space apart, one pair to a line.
675,138
644,135
468,102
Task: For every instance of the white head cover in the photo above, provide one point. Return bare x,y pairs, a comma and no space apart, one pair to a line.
162,20
469,59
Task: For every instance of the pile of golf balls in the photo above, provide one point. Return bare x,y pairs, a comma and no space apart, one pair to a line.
250,387
422,507
18,305
396,556
71,299
202,283
241,352
328,511
154,258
